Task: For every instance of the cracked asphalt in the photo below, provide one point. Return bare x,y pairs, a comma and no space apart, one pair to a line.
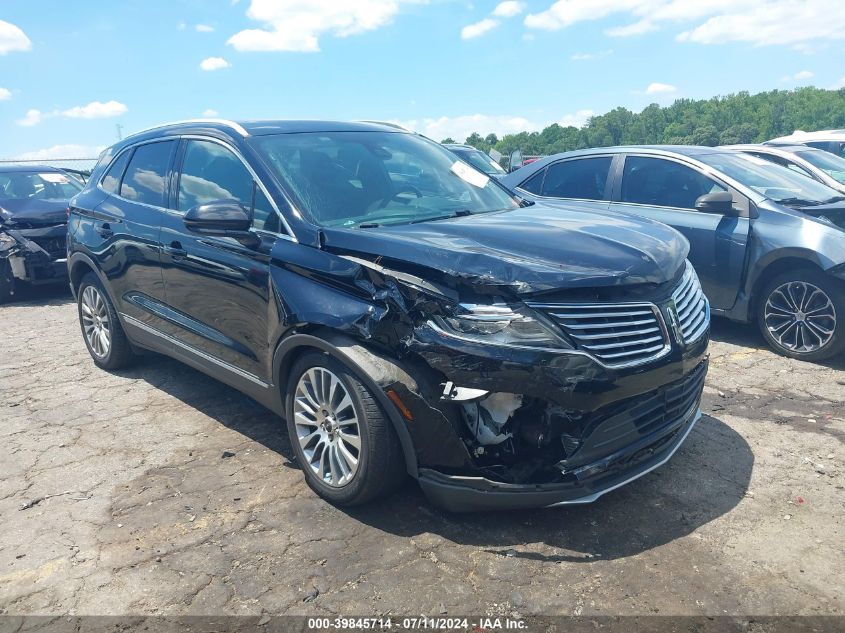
158,490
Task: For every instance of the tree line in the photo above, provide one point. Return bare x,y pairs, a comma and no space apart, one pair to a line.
735,118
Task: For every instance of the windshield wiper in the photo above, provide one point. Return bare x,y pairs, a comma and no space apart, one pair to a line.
457,214
801,202
834,199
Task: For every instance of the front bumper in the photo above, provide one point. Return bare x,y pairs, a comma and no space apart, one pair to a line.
458,493
36,255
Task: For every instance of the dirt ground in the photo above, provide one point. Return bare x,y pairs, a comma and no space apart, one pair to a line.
119,495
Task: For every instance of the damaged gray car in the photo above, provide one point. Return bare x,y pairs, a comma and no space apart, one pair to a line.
404,312
33,222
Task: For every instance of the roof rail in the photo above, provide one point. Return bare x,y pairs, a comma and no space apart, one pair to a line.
237,127
387,124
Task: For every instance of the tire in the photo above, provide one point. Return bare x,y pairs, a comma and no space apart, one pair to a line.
801,314
380,465
98,316
7,281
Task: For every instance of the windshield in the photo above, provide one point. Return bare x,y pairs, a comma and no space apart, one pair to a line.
831,164
480,160
38,186
345,179
773,181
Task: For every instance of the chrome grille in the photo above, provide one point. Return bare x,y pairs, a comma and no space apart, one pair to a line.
691,306
616,334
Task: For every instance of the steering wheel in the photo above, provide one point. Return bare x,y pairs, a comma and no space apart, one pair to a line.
402,189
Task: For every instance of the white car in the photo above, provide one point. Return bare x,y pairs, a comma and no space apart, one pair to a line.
832,141
809,161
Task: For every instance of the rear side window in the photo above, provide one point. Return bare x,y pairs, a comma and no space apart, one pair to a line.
146,176
111,181
210,172
535,183
584,179
664,183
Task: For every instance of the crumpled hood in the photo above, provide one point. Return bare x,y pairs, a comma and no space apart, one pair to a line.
29,212
532,249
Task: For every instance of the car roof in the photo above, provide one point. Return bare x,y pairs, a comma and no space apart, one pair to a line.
799,136
784,147
27,168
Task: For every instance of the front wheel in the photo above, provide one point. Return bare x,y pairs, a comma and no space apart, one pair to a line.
342,438
801,314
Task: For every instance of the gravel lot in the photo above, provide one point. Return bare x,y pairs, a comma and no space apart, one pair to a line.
116,498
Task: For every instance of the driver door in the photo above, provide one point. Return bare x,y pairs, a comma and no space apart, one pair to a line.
217,288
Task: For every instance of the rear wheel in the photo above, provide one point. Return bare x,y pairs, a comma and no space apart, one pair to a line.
103,334
802,314
342,438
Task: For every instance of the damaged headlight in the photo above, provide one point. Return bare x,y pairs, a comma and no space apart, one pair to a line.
498,324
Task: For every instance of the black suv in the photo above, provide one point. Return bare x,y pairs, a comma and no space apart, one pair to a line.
401,310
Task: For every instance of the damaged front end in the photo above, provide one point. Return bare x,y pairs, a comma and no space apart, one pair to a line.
517,395
33,254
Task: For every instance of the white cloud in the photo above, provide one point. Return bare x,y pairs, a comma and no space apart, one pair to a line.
508,9
460,127
629,30
214,63
62,151
478,29
5,94
32,117
576,119
656,88
758,22
203,28
296,25
802,75
96,110
584,57
210,112
12,38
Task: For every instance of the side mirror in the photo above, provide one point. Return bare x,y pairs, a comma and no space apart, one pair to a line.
721,202
221,217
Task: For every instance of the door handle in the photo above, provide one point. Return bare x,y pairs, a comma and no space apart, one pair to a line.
176,251
105,231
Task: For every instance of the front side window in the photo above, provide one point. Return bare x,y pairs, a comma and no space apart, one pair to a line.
583,179
146,176
664,183
346,179
211,172
38,186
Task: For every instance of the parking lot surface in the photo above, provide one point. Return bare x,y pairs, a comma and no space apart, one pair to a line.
157,490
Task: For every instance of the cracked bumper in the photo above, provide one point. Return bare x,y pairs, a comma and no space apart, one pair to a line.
467,494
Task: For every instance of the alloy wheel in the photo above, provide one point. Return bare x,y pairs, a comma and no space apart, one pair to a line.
800,317
95,321
327,427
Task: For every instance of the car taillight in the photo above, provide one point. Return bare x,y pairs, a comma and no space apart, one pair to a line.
67,213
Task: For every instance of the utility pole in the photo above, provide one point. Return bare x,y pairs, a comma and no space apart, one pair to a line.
119,131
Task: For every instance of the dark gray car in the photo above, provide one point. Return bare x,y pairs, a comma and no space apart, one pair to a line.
768,244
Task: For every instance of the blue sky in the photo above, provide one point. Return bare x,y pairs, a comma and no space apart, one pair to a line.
70,72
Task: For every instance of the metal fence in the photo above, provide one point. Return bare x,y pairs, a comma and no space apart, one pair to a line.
81,164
